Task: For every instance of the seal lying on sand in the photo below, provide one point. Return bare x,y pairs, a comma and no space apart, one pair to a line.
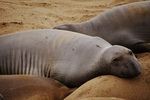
68,57
28,87
127,25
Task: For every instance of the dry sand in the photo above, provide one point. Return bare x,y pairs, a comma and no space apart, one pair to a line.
21,15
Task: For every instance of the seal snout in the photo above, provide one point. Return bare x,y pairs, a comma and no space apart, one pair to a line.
133,67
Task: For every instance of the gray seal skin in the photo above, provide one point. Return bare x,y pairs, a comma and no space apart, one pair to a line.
68,57
127,25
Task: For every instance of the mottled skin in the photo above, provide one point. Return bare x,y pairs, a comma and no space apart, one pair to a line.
27,87
68,57
127,25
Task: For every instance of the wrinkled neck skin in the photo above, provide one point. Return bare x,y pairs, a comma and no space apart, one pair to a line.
101,65
98,67
87,68
104,65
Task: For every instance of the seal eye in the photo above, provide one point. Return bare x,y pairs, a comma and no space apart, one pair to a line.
130,52
116,60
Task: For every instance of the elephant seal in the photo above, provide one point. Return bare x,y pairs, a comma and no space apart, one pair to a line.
28,87
127,25
68,57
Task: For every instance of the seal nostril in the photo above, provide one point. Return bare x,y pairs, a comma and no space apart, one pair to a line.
133,66
136,72
139,72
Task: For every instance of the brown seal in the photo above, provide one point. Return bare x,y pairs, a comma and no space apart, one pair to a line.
27,87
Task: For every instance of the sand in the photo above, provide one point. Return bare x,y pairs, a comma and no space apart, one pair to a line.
21,15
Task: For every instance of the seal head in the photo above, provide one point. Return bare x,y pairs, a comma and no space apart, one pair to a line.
121,62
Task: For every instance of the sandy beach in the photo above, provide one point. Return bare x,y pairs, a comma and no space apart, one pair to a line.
24,15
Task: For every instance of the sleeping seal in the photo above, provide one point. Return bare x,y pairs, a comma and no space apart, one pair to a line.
68,57
127,25
28,87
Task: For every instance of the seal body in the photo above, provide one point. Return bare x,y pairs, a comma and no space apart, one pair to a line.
28,87
68,57
127,25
